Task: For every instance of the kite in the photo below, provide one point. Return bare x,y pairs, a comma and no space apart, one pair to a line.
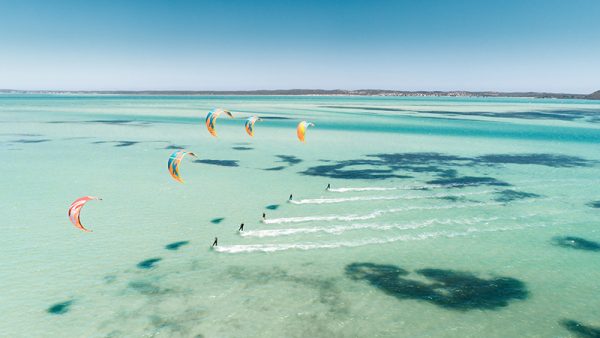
211,119
250,124
301,130
173,164
75,210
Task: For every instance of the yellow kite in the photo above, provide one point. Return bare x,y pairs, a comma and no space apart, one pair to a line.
301,130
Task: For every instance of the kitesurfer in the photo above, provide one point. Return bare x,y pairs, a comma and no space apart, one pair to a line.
241,227
328,186
290,197
215,242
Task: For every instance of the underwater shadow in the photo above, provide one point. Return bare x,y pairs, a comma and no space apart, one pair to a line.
513,195
118,143
147,288
465,181
580,329
453,198
449,289
547,160
385,166
577,243
397,165
272,207
108,122
290,160
329,293
20,134
217,220
589,115
24,141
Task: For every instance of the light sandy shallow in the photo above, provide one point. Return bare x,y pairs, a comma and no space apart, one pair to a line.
414,188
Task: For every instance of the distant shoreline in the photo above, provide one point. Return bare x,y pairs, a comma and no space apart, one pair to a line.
316,92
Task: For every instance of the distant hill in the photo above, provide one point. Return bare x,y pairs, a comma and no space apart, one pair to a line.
594,96
324,92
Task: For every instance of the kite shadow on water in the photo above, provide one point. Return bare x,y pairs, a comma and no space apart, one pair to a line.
580,329
148,263
278,168
241,148
449,289
60,308
577,243
176,245
222,163
594,204
175,147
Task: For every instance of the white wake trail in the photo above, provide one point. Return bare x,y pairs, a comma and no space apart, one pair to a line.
339,229
402,187
442,186
348,189
248,248
383,198
374,214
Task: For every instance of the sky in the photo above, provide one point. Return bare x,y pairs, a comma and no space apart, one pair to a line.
508,45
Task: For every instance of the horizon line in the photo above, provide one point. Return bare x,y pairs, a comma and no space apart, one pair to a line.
286,90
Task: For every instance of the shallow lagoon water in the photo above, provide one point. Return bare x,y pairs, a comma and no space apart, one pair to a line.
448,217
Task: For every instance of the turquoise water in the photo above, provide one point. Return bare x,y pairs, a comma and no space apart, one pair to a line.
449,217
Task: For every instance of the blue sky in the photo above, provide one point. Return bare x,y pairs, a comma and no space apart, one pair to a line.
508,45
